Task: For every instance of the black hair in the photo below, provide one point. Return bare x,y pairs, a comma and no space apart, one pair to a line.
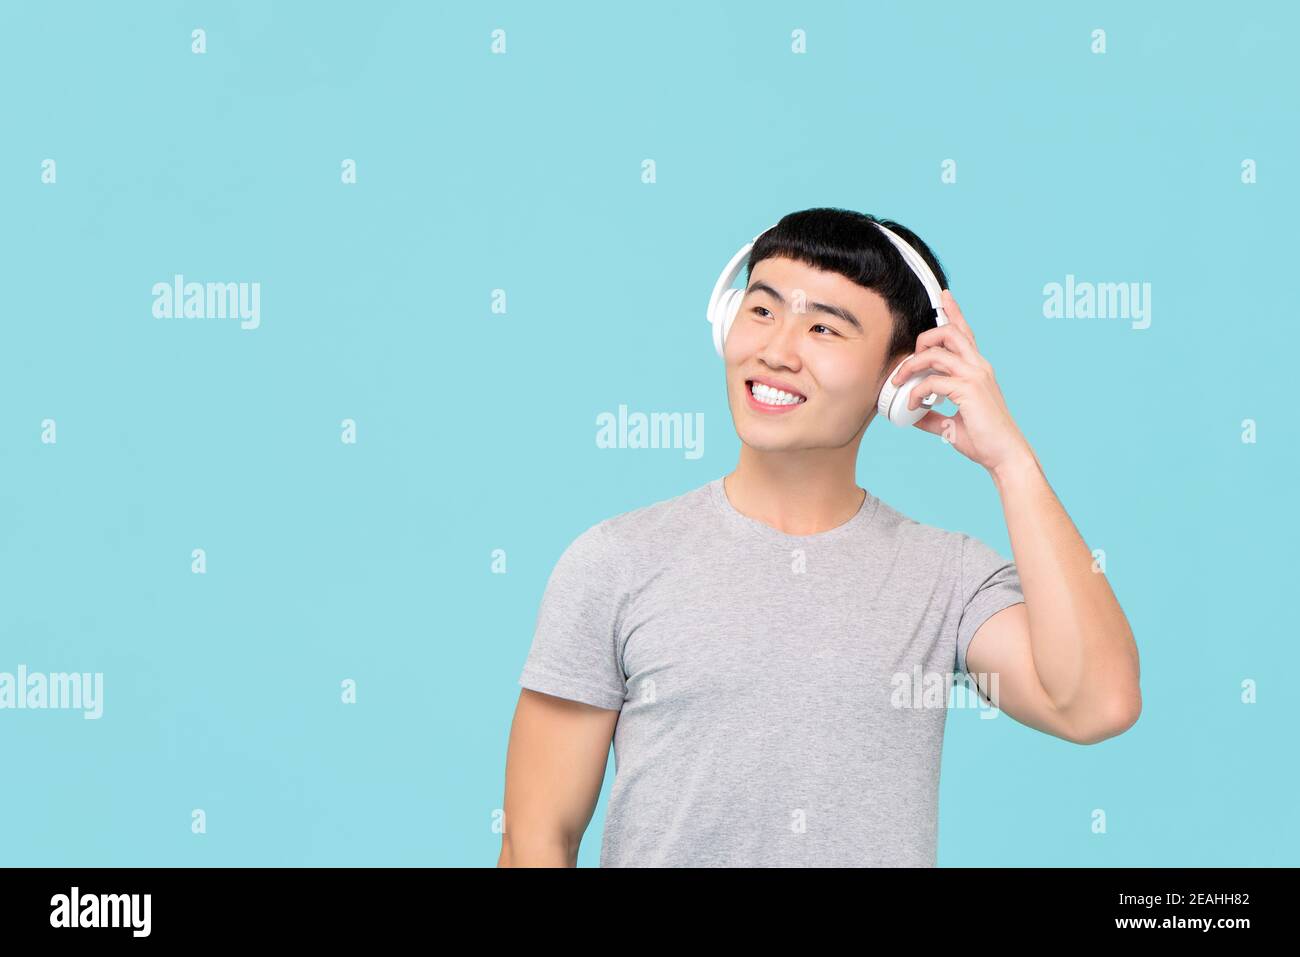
845,242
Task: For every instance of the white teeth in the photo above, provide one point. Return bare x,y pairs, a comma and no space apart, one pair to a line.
769,396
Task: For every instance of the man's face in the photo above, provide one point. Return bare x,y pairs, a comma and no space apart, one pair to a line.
784,332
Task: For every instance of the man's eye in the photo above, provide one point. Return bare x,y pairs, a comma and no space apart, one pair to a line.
827,328
756,308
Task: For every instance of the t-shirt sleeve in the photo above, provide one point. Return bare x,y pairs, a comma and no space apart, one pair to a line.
575,652
989,583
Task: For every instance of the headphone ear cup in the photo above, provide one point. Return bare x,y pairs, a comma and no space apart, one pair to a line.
728,307
892,403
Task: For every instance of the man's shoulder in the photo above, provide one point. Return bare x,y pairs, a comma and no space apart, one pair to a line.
909,532
662,522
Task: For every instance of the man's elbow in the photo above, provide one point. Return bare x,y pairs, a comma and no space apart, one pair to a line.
1122,716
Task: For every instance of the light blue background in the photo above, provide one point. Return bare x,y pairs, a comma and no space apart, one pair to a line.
476,431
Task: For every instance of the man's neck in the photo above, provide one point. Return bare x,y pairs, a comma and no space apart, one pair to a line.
792,499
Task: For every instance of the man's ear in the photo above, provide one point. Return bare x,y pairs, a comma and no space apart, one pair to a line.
890,364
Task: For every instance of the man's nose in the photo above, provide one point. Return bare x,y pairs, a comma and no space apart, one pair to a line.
782,344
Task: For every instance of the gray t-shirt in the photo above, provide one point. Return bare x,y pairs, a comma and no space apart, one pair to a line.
767,682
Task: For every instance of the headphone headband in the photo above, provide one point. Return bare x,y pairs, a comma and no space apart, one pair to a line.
911,257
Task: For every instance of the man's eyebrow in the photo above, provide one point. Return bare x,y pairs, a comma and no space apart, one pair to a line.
844,314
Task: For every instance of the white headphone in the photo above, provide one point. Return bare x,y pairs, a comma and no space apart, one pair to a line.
724,304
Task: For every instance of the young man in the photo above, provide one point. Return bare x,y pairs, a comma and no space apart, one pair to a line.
753,646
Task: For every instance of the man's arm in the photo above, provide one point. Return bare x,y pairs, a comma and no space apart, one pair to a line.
1065,659
555,765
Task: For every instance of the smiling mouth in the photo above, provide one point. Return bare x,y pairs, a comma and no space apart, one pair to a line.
776,398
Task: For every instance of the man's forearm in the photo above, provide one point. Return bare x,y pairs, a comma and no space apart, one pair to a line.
1083,647
537,853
